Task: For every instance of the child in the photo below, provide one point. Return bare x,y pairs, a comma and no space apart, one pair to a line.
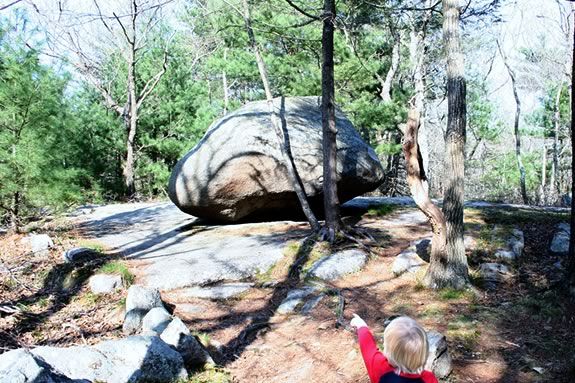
405,345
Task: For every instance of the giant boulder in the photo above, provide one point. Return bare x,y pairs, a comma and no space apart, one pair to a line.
237,172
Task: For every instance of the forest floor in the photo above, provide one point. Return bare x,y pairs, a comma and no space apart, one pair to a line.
521,331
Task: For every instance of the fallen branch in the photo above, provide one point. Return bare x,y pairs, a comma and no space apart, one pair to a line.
9,309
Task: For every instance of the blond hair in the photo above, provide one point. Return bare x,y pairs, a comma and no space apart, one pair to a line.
405,345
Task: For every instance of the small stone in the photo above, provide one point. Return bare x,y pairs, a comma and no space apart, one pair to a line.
469,242
494,272
105,283
406,261
539,370
334,266
293,299
156,321
143,298
133,321
193,352
79,254
40,243
508,255
558,265
560,242
439,359
517,242
423,248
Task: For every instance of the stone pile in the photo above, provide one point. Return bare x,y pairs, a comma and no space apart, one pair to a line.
163,352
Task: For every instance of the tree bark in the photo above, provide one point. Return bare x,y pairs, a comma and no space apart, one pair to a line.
417,52
417,182
555,184
131,113
329,129
15,205
543,186
15,212
518,144
281,134
516,132
571,269
452,270
474,149
385,93
225,83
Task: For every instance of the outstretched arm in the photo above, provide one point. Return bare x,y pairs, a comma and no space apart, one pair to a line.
375,362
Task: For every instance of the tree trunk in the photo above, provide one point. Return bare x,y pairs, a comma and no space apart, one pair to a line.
474,149
395,56
555,184
15,208
131,121
131,114
417,181
281,134
417,52
451,270
15,212
331,201
518,145
571,269
543,186
225,83
516,133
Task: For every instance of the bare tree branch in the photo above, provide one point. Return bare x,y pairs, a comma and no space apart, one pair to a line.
300,10
152,82
9,5
124,31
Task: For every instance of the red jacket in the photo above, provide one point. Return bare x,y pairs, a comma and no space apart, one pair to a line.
379,369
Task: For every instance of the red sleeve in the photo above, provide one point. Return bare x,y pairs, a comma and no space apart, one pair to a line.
375,362
428,377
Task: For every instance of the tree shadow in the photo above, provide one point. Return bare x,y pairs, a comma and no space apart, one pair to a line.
532,314
62,283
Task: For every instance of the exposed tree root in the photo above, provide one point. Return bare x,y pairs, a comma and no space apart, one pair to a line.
356,235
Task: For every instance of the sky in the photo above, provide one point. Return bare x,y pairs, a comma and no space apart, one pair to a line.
525,23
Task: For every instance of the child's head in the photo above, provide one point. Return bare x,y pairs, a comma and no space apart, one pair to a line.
405,345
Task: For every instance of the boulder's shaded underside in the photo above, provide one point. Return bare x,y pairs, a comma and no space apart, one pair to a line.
237,172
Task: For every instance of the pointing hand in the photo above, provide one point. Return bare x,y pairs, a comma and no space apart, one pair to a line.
357,322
